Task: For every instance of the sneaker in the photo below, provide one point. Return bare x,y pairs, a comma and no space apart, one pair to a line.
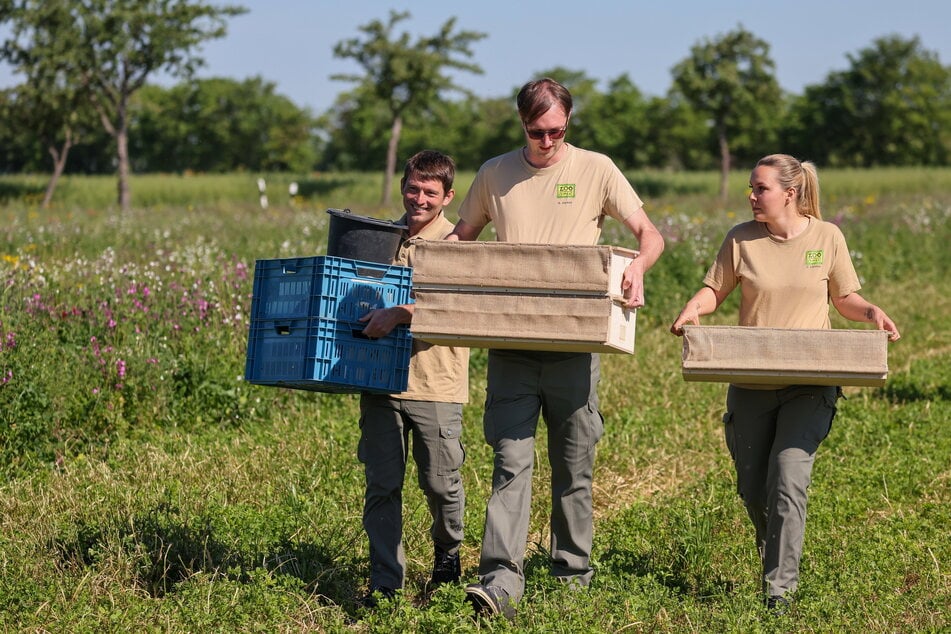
777,606
445,568
490,600
375,594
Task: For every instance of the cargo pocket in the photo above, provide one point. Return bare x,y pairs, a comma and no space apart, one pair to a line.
597,422
488,422
361,444
451,452
729,434
830,401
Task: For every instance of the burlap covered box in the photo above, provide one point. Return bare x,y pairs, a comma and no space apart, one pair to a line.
509,267
522,296
783,356
579,323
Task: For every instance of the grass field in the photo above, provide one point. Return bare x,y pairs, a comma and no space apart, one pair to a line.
146,487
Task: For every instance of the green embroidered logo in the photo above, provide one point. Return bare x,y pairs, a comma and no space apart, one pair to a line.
565,190
814,258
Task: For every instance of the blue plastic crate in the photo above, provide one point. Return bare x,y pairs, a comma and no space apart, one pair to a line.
326,287
326,355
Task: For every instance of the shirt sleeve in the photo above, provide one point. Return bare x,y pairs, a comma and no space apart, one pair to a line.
843,279
620,200
721,276
473,208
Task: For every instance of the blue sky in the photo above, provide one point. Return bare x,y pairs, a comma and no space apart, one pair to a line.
290,42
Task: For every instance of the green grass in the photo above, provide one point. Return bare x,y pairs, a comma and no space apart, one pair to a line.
147,488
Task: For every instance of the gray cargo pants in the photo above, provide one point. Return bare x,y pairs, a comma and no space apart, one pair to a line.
385,426
563,387
773,436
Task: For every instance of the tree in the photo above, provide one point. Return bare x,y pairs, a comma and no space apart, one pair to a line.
218,125
677,136
474,129
113,46
406,77
353,128
615,124
730,79
891,107
18,150
50,102
55,118
582,88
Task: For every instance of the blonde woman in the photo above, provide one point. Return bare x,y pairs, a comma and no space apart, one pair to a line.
788,264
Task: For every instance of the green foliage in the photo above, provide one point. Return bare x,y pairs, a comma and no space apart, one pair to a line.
405,77
353,125
892,106
888,108
187,500
217,125
107,49
730,80
615,123
53,102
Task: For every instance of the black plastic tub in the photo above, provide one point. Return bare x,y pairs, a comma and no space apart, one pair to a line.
361,238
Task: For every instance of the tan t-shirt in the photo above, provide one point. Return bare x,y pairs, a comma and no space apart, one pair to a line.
784,283
436,373
564,203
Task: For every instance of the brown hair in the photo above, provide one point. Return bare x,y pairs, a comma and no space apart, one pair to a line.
538,96
430,165
801,176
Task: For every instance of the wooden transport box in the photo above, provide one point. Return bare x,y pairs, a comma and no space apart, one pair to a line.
782,356
570,323
522,296
512,267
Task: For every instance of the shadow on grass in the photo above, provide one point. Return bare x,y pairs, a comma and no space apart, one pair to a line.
658,186
678,576
10,191
905,391
323,186
164,552
616,562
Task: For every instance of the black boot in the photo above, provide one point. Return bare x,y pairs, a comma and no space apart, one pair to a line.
375,594
445,568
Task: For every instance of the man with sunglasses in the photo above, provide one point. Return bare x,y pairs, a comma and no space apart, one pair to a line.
547,192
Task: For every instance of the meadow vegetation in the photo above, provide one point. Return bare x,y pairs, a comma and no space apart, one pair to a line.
144,486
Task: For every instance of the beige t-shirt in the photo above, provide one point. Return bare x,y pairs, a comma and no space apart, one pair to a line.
564,203
436,373
784,283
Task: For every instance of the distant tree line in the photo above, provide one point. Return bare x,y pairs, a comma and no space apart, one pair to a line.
85,60
890,107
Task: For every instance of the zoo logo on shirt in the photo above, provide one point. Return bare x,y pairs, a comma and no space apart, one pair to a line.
565,190
814,258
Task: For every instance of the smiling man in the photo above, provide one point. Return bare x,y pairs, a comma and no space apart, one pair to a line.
547,192
429,411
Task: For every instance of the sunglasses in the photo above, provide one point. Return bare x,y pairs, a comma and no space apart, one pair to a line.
553,134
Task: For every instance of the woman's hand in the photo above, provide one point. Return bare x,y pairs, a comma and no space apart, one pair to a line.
689,315
704,302
856,308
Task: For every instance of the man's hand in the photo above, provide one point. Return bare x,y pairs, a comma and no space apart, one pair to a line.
381,321
632,285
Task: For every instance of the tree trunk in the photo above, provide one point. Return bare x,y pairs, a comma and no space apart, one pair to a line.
395,132
122,155
724,166
59,164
